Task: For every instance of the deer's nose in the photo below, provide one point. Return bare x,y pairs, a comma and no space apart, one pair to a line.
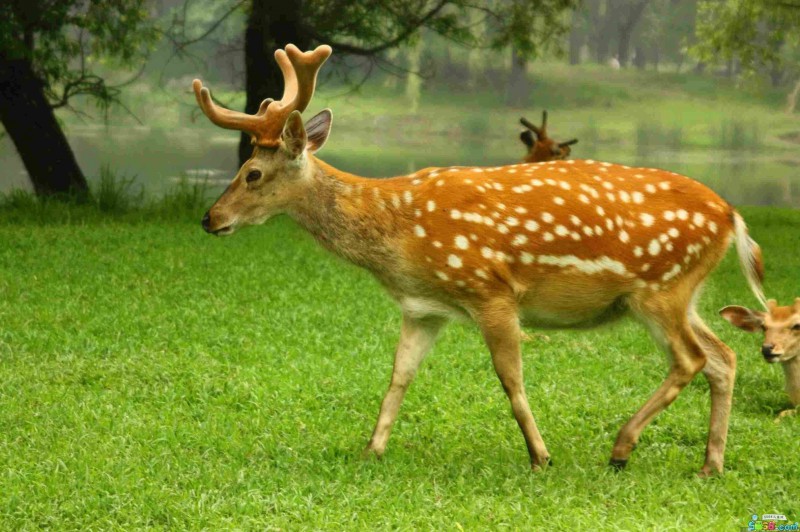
206,221
766,350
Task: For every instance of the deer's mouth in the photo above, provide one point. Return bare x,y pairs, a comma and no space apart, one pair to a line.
223,231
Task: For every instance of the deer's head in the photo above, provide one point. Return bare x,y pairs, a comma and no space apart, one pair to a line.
267,183
543,148
780,325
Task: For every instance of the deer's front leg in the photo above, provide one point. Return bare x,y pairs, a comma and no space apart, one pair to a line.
416,338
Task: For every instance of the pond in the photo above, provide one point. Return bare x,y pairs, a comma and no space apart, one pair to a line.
158,158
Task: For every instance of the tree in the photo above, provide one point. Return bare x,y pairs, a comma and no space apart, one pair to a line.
368,28
763,36
45,48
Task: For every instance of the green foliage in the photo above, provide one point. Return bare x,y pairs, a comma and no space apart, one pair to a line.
154,377
755,32
68,41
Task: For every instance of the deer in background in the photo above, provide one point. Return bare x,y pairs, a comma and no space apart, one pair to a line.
543,148
559,244
781,328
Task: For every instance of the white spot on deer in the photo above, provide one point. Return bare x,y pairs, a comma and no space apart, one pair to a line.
637,197
512,222
488,221
561,230
455,214
624,237
638,176
473,237
526,187
675,270
564,185
610,224
669,215
589,190
461,242
575,220
669,246
482,274
600,211
645,267
536,183
575,235
587,230
664,185
519,240
431,205
598,230
712,226
487,253
497,186
673,232
502,228
477,170
551,182
547,217
396,201
584,198
558,200
419,231
638,251
437,244
682,214
520,210
651,188
654,248
517,190
586,266
624,196
416,181
440,183
548,237
454,261
531,226
647,219
589,161
562,170
663,238
441,275
607,185
496,215
417,213
610,197
525,257
434,173
468,181
461,283
698,219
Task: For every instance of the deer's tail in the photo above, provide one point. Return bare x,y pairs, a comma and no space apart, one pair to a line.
749,258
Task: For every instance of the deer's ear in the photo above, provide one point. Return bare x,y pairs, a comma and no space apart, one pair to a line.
527,138
294,134
744,318
318,128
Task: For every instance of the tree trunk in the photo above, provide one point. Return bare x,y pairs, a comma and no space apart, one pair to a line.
271,25
576,37
791,98
517,93
29,121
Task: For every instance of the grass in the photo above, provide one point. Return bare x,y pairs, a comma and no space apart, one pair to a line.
154,377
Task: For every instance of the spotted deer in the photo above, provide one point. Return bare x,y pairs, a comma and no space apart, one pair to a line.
543,148
557,244
781,328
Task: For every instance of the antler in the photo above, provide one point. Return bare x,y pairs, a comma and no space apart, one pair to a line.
541,132
299,77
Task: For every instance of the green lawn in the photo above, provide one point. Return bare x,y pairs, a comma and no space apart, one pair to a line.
153,376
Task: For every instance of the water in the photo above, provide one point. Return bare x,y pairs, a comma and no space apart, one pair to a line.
158,158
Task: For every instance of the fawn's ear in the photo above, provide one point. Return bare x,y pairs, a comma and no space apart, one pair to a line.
318,128
294,135
744,318
527,138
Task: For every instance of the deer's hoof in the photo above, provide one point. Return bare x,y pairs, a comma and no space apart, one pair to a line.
618,464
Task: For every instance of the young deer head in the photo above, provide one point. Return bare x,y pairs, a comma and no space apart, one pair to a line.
543,148
557,244
781,328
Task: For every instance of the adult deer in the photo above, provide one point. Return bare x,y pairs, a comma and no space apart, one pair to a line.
562,244
781,328
543,148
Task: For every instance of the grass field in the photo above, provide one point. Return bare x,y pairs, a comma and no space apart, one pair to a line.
152,376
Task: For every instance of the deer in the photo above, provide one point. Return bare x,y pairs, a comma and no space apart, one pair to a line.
543,148
781,328
564,244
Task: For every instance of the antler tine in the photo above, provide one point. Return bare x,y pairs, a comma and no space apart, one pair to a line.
525,122
219,115
544,122
567,143
300,78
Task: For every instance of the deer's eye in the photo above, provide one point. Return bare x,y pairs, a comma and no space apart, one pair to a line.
796,327
253,176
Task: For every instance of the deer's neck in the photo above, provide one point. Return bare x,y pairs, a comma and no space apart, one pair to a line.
357,218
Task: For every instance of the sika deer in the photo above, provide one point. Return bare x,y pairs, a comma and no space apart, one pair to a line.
781,328
563,244
544,148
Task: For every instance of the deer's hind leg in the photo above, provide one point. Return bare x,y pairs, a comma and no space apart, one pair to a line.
667,318
720,371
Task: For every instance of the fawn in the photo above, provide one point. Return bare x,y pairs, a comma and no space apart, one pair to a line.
543,148
558,244
781,328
